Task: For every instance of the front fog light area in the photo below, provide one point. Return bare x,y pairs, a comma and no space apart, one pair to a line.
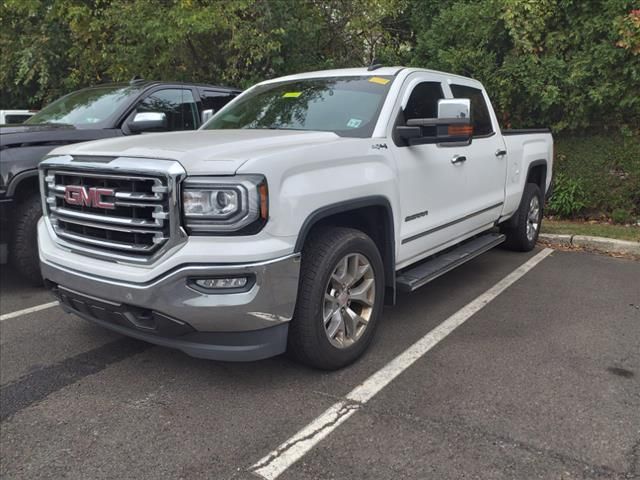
222,284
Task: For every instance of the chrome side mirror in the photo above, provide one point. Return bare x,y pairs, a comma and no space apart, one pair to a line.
459,108
206,115
148,121
453,125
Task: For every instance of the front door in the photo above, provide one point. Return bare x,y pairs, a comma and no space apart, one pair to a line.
443,201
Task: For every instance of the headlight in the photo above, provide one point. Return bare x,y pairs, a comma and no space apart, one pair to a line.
224,204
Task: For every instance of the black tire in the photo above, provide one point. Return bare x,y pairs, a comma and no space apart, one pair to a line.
24,245
308,342
516,228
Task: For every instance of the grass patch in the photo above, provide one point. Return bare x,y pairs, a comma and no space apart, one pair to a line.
620,232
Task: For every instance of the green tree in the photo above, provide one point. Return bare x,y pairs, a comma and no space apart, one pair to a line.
568,64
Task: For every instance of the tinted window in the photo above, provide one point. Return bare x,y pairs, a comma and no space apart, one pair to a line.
212,100
347,106
479,111
178,104
16,118
423,102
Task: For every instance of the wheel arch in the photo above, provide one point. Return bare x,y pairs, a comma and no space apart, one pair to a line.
23,184
537,173
372,215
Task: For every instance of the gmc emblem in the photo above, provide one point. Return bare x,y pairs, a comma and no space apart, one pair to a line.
88,197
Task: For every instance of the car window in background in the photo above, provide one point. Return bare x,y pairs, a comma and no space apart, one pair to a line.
480,117
212,100
178,105
12,119
84,107
347,106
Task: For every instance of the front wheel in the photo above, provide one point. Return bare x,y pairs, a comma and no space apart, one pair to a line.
523,234
24,248
340,298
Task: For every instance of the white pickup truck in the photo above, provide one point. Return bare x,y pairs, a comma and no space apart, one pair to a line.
292,216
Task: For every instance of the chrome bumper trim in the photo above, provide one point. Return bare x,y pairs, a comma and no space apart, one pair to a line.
270,301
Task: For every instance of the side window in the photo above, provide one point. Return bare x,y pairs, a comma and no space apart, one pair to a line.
178,105
479,112
423,102
212,100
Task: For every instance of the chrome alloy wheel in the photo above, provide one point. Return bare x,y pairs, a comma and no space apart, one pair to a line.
533,218
348,300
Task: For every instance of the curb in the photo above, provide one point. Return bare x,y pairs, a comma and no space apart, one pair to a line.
601,244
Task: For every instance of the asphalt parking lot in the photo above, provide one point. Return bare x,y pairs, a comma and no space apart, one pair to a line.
543,382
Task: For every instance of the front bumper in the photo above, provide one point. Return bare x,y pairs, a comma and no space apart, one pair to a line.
169,311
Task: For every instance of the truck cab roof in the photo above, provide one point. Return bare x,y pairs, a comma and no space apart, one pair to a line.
392,71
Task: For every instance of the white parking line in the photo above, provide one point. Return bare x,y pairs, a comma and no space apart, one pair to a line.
26,311
277,461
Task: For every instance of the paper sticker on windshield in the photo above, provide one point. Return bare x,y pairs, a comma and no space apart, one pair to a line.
354,123
379,80
291,94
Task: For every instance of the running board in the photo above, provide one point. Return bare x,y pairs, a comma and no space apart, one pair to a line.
416,277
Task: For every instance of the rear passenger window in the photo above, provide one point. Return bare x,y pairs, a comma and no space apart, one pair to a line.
479,112
212,100
423,102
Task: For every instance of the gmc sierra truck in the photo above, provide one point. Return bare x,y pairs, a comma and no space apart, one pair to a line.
290,218
103,111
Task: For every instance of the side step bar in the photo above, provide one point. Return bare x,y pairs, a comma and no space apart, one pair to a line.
415,277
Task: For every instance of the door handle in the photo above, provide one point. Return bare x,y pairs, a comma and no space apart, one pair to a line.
500,152
458,159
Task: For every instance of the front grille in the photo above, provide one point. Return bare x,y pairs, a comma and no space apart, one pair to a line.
137,221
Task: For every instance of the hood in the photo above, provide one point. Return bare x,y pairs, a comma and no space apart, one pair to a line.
212,152
47,134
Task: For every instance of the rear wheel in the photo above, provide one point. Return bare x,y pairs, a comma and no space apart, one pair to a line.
339,299
523,234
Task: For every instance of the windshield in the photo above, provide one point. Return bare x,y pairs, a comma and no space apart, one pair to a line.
347,106
84,107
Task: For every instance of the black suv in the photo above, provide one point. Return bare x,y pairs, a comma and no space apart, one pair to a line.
90,114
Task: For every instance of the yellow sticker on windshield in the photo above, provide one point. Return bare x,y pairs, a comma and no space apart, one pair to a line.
379,80
291,94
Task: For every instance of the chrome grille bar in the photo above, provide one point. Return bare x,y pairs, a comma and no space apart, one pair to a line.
133,222
105,244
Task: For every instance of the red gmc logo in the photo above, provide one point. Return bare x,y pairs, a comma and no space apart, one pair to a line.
89,197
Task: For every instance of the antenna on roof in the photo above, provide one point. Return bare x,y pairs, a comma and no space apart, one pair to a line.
374,65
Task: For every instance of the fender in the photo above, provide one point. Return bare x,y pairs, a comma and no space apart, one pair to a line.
388,241
511,221
534,164
15,181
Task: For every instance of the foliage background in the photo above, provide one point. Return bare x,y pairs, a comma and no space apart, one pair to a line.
573,65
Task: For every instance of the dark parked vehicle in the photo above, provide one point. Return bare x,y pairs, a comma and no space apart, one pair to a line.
93,113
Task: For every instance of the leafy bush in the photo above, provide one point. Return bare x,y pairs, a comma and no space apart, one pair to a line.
621,216
568,197
600,171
